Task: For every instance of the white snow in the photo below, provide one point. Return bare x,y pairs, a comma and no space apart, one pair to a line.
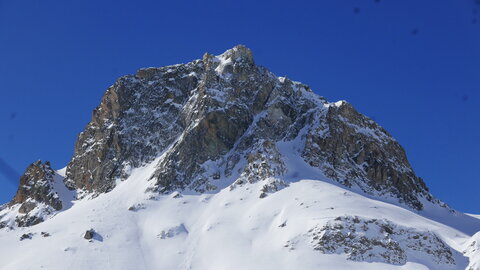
232,229
223,62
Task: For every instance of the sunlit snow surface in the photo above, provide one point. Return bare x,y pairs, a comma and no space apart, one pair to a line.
232,229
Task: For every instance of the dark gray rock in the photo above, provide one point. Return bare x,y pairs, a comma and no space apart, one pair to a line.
36,186
89,234
354,150
26,236
139,116
374,240
35,191
221,117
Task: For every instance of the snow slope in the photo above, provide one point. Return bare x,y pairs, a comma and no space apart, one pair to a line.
232,229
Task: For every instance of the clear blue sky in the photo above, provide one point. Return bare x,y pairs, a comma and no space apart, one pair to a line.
413,66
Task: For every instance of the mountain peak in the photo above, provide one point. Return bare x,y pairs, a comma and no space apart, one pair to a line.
234,60
239,53
256,156
219,118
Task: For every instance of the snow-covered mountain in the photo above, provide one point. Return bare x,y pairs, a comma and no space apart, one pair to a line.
220,164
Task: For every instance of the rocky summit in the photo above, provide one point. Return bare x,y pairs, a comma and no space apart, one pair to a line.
221,117
198,165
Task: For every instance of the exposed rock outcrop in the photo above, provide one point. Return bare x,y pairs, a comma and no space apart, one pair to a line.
35,198
88,235
375,240
210,119
354,150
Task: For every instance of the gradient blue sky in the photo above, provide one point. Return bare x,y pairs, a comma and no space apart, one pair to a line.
411,65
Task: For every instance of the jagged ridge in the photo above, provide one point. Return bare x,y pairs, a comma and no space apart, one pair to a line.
208,116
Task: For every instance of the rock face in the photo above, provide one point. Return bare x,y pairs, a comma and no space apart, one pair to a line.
222,117
136,120
379,241
35,197
354,150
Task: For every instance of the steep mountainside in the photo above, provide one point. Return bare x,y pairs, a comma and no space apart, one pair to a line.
220,117
201,165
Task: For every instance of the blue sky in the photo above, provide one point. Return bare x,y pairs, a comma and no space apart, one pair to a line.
413,66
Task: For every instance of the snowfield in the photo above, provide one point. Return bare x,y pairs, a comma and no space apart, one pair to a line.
232,229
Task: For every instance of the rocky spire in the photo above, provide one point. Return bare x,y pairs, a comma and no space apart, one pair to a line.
35,196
